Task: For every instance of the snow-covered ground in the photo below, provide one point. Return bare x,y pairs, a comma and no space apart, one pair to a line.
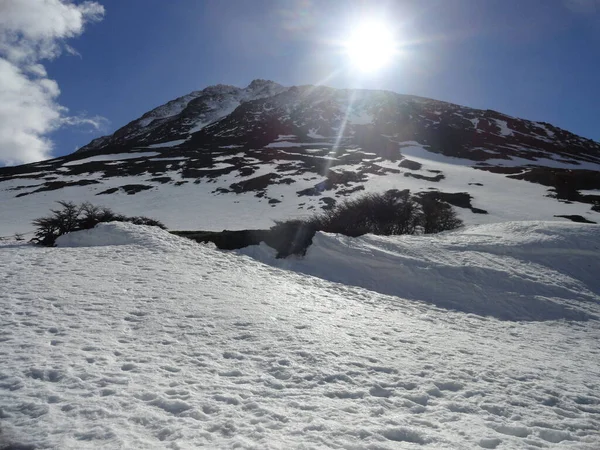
196,206
129,337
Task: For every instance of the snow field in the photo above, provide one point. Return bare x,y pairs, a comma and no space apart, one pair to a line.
141,339
195,207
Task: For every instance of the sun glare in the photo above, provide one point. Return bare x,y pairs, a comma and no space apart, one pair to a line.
371,46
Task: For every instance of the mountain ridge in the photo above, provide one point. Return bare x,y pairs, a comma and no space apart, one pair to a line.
267,88
175,107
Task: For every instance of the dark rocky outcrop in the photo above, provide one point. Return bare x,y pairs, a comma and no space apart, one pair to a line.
576,218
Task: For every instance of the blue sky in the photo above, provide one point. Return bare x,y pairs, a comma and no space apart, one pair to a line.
536,59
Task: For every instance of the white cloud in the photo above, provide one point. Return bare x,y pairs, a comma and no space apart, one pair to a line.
32,31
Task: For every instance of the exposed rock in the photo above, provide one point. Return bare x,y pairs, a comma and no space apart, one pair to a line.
576,218
131,189
459,199
411,165
424,177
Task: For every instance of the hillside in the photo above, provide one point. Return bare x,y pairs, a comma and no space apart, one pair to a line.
228,157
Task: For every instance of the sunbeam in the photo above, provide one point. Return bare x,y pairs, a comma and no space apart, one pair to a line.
342,129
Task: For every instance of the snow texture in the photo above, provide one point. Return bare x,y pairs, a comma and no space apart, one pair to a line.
167,144
129,337
504,128
111,157
512,271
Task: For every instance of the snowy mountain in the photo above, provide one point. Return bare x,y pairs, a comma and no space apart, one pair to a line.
228,157
127,337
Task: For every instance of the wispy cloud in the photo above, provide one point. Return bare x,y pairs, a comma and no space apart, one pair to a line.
97,123
583,6
32,31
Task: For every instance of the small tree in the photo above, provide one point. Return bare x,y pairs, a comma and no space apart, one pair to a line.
91,215
61,221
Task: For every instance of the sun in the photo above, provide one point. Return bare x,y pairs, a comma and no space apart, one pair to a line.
371,46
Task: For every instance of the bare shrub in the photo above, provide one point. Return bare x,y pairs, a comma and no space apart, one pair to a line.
391,213
438,216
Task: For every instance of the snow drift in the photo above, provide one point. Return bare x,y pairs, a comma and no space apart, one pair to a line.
513,271
121,233
134,338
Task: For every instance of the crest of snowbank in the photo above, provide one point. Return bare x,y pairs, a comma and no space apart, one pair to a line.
123,233
512,271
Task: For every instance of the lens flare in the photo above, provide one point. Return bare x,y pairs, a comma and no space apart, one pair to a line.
371,46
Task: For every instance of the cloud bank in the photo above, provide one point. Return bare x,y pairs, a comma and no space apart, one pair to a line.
32,31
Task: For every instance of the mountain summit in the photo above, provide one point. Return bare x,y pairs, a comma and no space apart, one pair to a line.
187,115
230,157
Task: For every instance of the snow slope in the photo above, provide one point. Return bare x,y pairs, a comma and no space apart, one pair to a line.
196,206
129,337
513,271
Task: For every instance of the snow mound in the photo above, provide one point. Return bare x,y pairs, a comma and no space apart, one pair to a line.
511,271
123,233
